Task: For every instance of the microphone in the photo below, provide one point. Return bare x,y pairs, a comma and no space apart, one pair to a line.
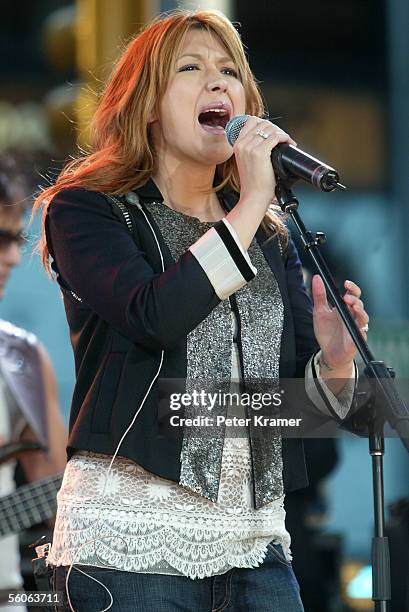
292,163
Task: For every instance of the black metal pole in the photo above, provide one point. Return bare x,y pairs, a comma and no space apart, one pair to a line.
381,573
382,384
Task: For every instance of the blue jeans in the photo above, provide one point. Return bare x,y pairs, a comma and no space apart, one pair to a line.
271,587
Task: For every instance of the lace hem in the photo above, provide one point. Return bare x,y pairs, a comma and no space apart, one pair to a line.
131,520
164,552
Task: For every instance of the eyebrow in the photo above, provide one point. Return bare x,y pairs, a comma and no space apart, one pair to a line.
225,58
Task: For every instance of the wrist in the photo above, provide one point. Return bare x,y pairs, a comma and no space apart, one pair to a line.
245,218
323,363
256,199
330,370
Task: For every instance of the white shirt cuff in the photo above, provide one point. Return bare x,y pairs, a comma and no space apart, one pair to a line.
226,264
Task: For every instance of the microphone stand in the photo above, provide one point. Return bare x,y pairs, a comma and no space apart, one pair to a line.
382,386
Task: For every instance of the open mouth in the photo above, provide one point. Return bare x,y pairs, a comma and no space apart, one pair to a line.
214,120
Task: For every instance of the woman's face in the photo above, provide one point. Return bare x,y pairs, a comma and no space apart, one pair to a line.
203,93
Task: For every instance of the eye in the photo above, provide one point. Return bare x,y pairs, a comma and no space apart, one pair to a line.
188,68
231,72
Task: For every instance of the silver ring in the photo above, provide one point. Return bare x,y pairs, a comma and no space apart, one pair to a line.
262,134
365,328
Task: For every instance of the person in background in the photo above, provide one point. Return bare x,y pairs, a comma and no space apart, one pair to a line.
29,407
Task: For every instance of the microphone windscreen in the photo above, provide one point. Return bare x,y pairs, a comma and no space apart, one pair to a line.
234,127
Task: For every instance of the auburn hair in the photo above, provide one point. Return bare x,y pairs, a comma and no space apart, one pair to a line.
121,156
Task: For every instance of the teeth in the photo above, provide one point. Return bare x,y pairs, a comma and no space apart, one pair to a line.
216,110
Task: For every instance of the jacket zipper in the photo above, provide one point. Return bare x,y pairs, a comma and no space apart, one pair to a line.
124,211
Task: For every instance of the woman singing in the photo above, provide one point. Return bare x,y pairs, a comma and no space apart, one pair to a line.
174,264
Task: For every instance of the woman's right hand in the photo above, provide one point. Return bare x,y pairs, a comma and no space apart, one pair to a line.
257,180
253,157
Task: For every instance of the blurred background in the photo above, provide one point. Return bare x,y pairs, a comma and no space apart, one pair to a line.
335,75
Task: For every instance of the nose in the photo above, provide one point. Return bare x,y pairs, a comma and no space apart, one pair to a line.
12,256
217,84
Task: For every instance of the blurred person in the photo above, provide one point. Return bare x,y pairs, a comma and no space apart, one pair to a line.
174,264
29,408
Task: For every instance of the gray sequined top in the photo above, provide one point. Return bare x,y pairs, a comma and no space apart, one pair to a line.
209,359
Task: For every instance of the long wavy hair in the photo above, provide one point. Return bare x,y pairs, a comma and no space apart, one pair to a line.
121,156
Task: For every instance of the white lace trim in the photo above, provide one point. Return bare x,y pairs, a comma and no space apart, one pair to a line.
136,521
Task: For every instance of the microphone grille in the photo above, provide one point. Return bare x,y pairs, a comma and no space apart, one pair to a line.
234,127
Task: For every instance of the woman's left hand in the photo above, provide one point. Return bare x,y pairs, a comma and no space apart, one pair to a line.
332,335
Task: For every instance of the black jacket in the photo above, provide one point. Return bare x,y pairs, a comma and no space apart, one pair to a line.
129,311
